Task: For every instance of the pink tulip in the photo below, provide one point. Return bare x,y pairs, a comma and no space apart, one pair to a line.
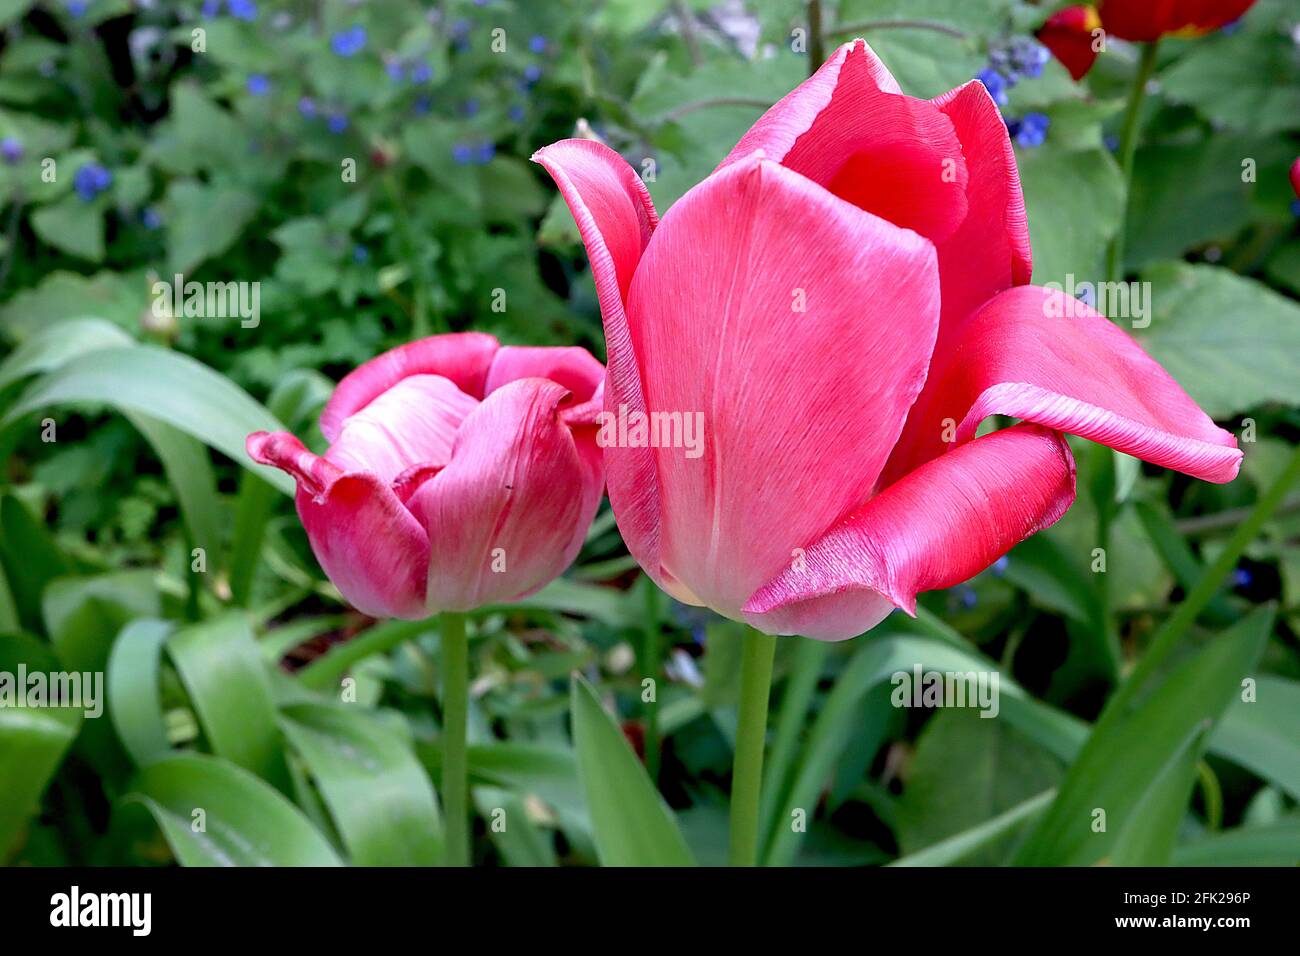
845,300
459,473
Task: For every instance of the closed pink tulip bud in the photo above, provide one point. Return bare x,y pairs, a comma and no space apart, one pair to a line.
459,473
843,302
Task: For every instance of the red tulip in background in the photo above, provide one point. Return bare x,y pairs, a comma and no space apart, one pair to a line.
1068,33
459,473
1147,20
845,300
1071,36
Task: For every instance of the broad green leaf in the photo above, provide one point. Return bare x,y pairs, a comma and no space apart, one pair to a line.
1263,734
519,840
967,770
532,769
57,344
32,744
1247,80
73,226
1074,201
378,795
1230,341
962,846
632,824
213,813
1151,829
84,614
225,676
189,471
875,662
1274,844
166,385
60,296
134,694
30,558
1121,761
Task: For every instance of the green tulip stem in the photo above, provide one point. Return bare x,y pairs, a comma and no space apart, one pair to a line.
1128,141
455,713
751,735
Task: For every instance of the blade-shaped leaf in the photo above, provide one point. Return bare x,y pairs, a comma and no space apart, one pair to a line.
1120,762
632,824
377,793
213,813
171,387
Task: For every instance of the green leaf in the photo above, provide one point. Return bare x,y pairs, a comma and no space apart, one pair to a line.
518,839
166,385
72,226
878,658
962,846
1122,759
1228,340
1150,831
1247,80
32,745
222,670
189,471
134,693
244,822
376,791
532,769
1074,201
632,824
57,344
1263,734
204,221
967,770
1273,844
30,558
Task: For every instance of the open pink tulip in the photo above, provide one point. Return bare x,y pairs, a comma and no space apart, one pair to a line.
459,473
845,300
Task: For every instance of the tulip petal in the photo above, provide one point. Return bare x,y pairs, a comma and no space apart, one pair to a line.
892,155
796,329
502,517
989,253
793,115
1043,356
367,543
411,424
573,367
990,250
940,525
616,219
463,357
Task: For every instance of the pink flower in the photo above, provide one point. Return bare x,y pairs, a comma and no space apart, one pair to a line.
459,473
845,300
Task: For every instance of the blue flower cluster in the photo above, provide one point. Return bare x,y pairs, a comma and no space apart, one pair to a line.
11,149
1011,62
259,84
91,180
416,71
349,42
1030,130
245,10
466,155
